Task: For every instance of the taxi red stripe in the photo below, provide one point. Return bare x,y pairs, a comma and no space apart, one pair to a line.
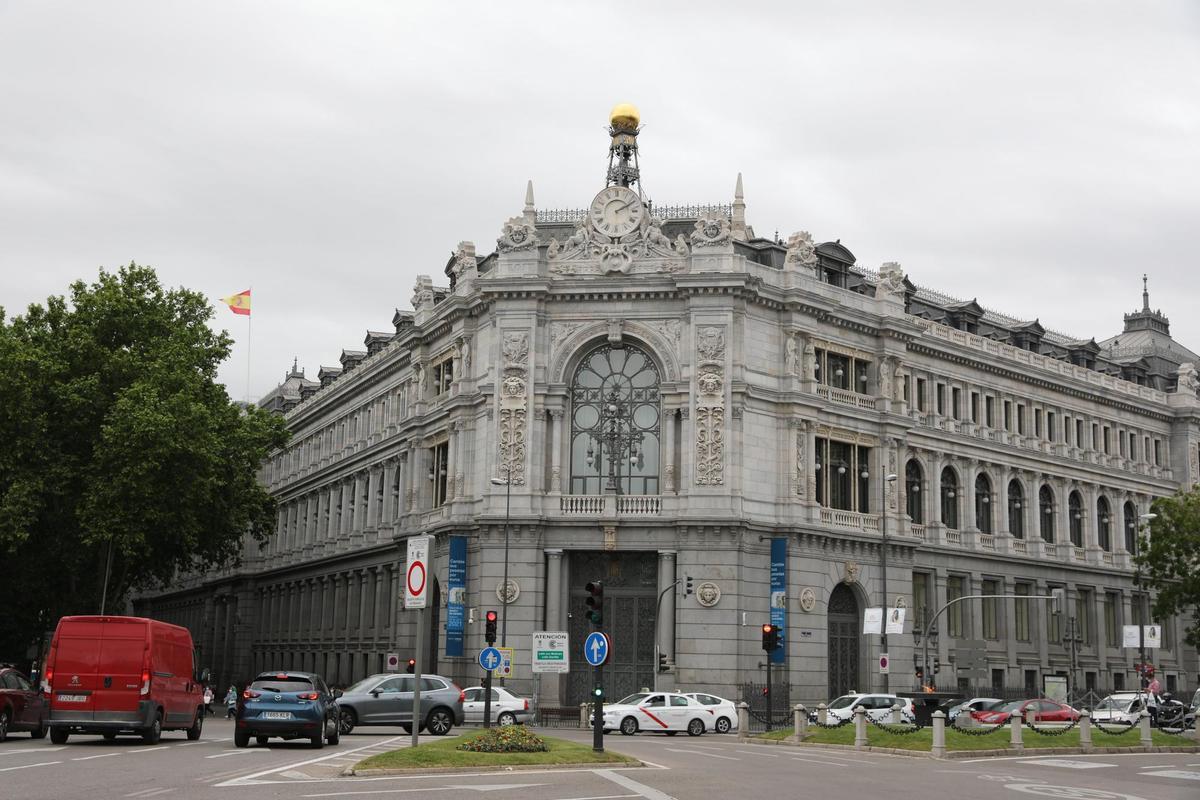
651,716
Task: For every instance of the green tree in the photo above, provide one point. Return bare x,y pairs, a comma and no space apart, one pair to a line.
1170,558
119,448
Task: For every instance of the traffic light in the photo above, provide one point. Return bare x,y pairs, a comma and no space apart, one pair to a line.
770,637
662,662
1059,603
489,627
937,665
595,603
688,587
598,693
412,666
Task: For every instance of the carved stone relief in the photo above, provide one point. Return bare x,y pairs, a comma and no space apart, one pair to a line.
513,406
710,406
712,230
801,254
590,252
517,235
800,479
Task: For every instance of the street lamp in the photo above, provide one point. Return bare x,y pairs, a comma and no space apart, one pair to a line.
507,484
1142,615
889,479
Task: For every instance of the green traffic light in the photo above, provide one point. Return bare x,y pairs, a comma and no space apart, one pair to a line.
598,691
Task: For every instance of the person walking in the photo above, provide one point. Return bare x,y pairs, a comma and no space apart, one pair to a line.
208,698
231,703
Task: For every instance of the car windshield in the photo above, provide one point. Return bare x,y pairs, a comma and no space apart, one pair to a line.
845,700
632,700
1110,704
290,685
1011,705
361,686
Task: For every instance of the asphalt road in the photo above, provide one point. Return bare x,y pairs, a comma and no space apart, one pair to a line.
711,766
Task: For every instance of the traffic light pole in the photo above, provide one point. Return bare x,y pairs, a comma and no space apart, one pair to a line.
768,692
487,699
598,714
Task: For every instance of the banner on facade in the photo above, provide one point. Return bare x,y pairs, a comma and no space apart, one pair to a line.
1131,636
872,620
456,598
895,620
779,597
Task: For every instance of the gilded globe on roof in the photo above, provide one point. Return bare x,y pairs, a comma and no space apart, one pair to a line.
624,115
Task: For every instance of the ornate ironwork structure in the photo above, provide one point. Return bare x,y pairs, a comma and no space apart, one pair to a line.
665,212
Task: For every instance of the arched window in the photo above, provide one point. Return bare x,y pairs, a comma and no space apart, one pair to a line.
983,503
1046,512
1103,524
615,422
913,478
1131,521
1016,509
950,498
1075,518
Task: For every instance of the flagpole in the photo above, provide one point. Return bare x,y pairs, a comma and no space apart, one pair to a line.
249,317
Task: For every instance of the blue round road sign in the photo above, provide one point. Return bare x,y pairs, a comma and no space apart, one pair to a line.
490,658
596,648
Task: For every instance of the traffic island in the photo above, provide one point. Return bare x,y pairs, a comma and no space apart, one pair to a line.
489,750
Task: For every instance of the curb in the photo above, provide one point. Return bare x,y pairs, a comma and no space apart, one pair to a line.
351,772
1028,752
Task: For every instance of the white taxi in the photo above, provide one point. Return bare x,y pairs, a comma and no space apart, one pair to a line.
657,712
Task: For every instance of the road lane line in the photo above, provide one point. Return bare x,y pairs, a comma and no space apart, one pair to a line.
240,752
626,782
102,755
30,766
34,750
701,753
248,778
150,749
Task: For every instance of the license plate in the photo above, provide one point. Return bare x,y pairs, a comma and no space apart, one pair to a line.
276,715
72,698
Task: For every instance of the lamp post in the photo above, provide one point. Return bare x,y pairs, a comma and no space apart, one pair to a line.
889,479
1137,580
507,484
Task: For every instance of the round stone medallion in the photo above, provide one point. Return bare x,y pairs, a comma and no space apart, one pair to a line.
514,591
808,599
708,594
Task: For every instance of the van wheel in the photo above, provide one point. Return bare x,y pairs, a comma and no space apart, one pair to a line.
152,734
59,735
695,727
241,739
5,716
347,720
193,733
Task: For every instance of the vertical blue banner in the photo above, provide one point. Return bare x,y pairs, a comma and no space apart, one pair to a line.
456,623
779,597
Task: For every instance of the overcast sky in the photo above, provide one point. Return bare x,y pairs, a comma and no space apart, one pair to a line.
1037,156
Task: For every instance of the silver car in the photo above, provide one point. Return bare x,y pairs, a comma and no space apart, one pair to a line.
507,708
387,699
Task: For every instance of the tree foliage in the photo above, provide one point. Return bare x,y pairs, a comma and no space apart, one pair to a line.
1170,558
116,435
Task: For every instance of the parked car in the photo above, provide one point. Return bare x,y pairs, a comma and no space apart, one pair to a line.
1121,707
110,675
387,699
1044,711
657,712
723,713
507,708
878,706
288,705
22,707
974,704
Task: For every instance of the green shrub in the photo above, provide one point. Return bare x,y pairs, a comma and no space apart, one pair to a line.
509,739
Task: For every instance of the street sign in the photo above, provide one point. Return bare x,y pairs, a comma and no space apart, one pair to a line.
550,652
872,620
895,620
506,659
884,664
416,576
392,662
490,658
596,648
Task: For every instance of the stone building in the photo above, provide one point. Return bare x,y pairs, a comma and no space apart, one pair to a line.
660,399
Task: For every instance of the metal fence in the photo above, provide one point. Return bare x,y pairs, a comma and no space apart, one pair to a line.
560,717
755,696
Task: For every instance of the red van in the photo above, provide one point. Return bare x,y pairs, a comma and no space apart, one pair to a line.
111,675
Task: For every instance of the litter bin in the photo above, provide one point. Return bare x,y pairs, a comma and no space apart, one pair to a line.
925,703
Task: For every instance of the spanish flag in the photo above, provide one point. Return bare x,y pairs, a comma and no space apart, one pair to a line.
238,303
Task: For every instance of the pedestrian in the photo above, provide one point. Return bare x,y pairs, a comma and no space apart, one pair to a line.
208,698
231,702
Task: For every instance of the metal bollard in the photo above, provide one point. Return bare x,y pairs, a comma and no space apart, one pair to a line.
743,720
896,720
800,721
822,714
939,734
583,716
1085,729
860,727
1015,741
1144,727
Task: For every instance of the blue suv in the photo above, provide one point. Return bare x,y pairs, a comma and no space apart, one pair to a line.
288,705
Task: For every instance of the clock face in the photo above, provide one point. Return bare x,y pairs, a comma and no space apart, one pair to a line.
616,211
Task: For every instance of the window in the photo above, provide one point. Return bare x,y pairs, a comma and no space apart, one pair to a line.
1118,681
941,399
1050,427
1037,422
1053,620
1110,620
991,615
1021,419
1075,518
1157,453
955,588
443,375
975,407
1132,446
1107,439
1067,429
439,473
921,582
615,422
950,498
1083,604
1078,432
1016,509
1031,683
1095,436
983,503
921,396
842,371
1046,512
989,411
913,478
1120,442
1008,415
1021,618
1131,521
1103,524
843,475
956,403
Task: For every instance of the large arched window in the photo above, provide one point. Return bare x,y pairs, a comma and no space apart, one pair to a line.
983,503
913,478
615,422
1046,512
1104,524
1016,509
950,498
1131,521
1075,518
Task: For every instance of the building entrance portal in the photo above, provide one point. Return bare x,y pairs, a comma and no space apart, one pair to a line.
630,618
844,621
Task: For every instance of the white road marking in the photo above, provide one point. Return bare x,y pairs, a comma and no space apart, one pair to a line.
251,778
1077,755
382,791
701,753
30,766
150,749
33,750
756,753
626,782
1067,763
102,755
1183,774
245,752
149,792
818,761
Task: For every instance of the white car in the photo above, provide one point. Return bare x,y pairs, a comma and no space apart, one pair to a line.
507,708
657,712
1122,707
723,713
974,704
878,706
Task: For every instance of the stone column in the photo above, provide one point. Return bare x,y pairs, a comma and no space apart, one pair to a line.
338,607
377,603
967,521
551,687
667,456
373,485
666,622
360,508
347,487
556,447
389,500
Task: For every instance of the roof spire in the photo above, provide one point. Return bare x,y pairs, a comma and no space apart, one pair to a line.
738,223
1145,294
530,212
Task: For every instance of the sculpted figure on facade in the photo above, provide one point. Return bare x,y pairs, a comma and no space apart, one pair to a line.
517,235
792,359
809,361
464,259
420,370
887,374
681,246
712,230
801,253
1189,381
422,299
891,283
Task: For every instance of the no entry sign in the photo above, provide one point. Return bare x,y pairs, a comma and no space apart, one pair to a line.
416,577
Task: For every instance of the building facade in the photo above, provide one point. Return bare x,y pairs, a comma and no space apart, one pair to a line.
725,430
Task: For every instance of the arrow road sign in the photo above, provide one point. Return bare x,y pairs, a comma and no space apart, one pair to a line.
596,648
490,658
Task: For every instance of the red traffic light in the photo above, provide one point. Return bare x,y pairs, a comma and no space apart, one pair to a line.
412,665
768,628
491,616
